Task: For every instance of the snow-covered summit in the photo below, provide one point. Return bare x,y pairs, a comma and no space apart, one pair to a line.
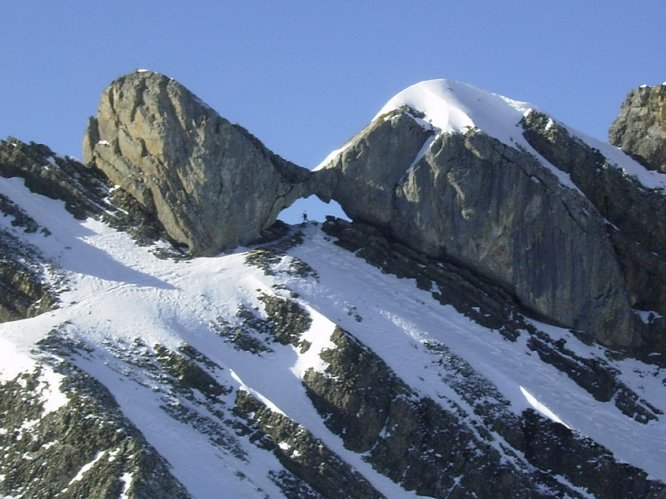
450,106
453,106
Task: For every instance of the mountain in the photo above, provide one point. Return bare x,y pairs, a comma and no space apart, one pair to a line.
489,324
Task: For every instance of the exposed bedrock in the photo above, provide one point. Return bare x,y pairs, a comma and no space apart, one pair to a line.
211,184
636,214
496,209
640,128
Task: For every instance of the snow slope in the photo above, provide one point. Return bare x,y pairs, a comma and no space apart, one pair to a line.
122,301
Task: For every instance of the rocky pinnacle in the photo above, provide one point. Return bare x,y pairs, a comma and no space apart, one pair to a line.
211,183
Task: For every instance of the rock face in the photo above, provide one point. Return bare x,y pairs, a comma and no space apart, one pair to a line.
640,128
364,176
637,214
374,358
493,208
210,183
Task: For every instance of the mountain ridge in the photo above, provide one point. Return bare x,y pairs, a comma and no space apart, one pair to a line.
332,359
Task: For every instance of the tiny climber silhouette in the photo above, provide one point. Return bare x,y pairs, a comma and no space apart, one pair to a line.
305,217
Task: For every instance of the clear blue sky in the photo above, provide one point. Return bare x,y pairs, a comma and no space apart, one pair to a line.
304,76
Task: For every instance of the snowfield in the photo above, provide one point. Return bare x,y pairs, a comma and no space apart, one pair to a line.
119,293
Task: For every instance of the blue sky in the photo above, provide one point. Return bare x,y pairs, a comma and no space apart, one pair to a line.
304,76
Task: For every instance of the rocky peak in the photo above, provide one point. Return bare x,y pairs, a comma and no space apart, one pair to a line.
211,184
445,169
640,128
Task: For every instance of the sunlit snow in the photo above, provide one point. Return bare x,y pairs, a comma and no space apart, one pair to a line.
120,292
542,409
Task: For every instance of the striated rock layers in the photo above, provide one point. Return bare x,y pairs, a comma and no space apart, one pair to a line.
211,184
640,128
470,198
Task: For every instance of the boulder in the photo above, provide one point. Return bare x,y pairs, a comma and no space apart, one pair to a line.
212,185
640,128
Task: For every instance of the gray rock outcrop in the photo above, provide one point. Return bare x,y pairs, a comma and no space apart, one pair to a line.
494,209
88,433
82,189
211,184
640,128
637,214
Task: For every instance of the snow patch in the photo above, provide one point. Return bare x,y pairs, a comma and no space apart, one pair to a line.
13,362
49,389
127,480
453,107
540,408
424,150
647,316
456,107
319,337
86,467
332,155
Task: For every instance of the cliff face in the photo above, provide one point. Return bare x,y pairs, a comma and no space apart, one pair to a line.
635,213
497,209
211,184
474,178
640,128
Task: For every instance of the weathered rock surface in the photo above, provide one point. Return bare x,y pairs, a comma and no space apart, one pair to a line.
492,208
364,176
86,448
210,183
636,214
418,444
25,289
317,471
640,128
